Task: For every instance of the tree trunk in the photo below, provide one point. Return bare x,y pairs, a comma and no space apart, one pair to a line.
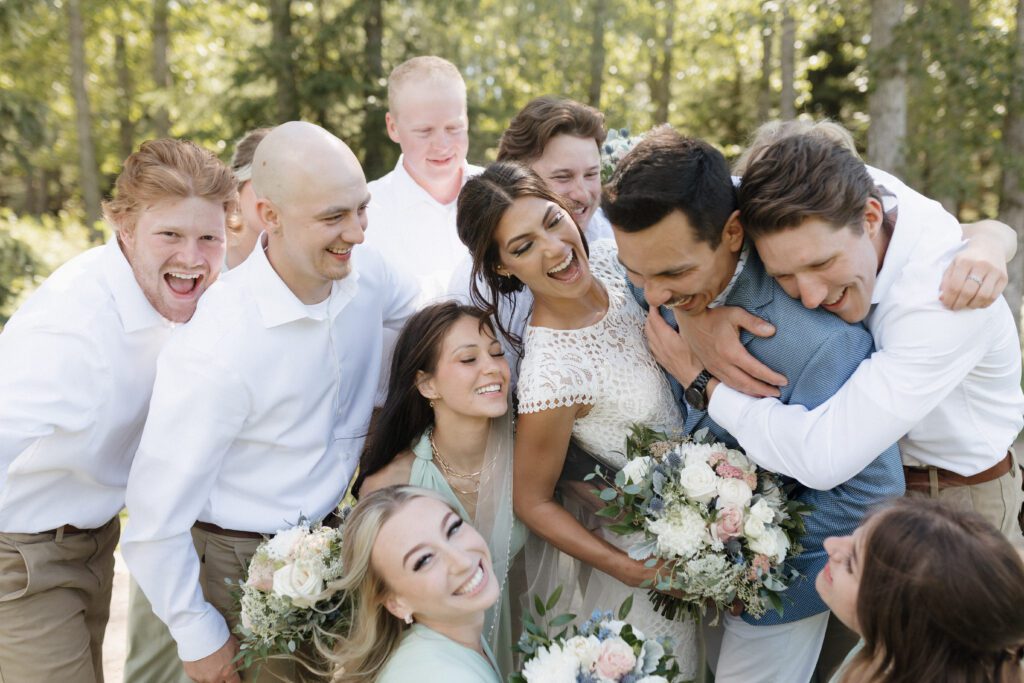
764,95
284,62
375,140
1011,195
161,73
88,172
125,92
663,84
887,103
787,101
597,53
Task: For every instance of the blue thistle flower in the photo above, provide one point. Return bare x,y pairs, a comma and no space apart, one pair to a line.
674,461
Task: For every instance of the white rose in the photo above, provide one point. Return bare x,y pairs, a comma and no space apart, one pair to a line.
681,534
285,542
733,492
636,470
774,543
762,511
753,527
586,649
301,581
699,482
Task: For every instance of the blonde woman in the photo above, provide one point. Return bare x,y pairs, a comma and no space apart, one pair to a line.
421,581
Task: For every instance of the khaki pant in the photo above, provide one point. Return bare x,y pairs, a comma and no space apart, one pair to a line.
152,655
998,501
54,604
223,557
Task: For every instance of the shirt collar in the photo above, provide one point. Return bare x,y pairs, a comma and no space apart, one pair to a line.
740,265
411,192
133,307
901,244
277,304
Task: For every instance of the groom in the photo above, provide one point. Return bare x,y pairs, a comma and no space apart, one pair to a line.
261,404
673,208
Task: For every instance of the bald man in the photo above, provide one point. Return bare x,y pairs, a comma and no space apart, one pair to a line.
261,403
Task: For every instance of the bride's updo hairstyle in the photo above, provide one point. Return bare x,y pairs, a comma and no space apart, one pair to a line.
406,414
483,201
374,633
940,599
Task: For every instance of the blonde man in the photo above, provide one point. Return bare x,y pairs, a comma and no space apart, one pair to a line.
76,372
412,210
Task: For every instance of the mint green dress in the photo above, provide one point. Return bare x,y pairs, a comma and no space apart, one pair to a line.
426,656
499,636
838,675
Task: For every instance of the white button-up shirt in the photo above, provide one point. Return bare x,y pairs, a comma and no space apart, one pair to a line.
259,412
76,370
414,232
945,384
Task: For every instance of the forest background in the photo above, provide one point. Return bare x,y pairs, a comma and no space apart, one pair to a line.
933,90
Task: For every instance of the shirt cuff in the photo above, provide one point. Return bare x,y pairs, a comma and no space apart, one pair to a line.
202,637
727,405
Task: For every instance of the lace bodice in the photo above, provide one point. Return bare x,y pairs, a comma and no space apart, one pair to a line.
606,365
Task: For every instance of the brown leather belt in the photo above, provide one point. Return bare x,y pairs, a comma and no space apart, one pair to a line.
919,478
231,533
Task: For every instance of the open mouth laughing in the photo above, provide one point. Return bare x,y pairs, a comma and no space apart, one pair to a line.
568,270
475,582
183,284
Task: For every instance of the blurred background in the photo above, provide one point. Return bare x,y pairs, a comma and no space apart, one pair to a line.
932,89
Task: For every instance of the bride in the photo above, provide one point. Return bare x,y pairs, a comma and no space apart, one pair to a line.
586,374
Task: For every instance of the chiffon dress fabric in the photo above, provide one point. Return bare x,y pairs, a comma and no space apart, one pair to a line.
609,367
426,656
494,520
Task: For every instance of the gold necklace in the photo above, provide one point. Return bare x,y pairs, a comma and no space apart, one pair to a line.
450,472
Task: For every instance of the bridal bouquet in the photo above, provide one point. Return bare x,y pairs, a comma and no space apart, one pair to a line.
290,595
722,527
616,145
602,649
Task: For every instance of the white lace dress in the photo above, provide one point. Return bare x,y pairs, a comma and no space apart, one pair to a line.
608,366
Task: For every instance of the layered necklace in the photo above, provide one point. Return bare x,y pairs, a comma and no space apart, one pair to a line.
471,479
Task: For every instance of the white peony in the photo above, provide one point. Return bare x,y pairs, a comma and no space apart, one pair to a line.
773,542
733,492
762,511
285,542
699,482
301,581
586,649
552,664
636,470
697,453
682,534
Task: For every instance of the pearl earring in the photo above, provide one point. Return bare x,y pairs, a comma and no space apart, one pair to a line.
431,402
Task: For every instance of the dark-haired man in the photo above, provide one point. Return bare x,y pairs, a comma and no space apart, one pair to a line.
672,204
945,383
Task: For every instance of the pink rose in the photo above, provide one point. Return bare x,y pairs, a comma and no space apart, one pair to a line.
615,660
729,524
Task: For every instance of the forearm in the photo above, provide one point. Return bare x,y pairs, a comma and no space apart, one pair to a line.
552,522
998,234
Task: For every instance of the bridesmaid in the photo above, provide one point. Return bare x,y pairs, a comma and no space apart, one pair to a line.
421,580
446,426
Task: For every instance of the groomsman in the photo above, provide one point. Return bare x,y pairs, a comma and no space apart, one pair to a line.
945,383
76,371
261,404
673,205
412,210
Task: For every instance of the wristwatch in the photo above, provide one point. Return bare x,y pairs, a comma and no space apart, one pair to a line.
697,393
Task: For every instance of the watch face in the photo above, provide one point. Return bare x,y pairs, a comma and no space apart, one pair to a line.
695,397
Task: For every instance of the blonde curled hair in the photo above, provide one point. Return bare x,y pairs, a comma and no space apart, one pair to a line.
373,632
168,169
773,131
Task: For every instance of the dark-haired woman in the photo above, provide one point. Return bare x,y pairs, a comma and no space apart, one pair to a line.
935,593
445,426
586,374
